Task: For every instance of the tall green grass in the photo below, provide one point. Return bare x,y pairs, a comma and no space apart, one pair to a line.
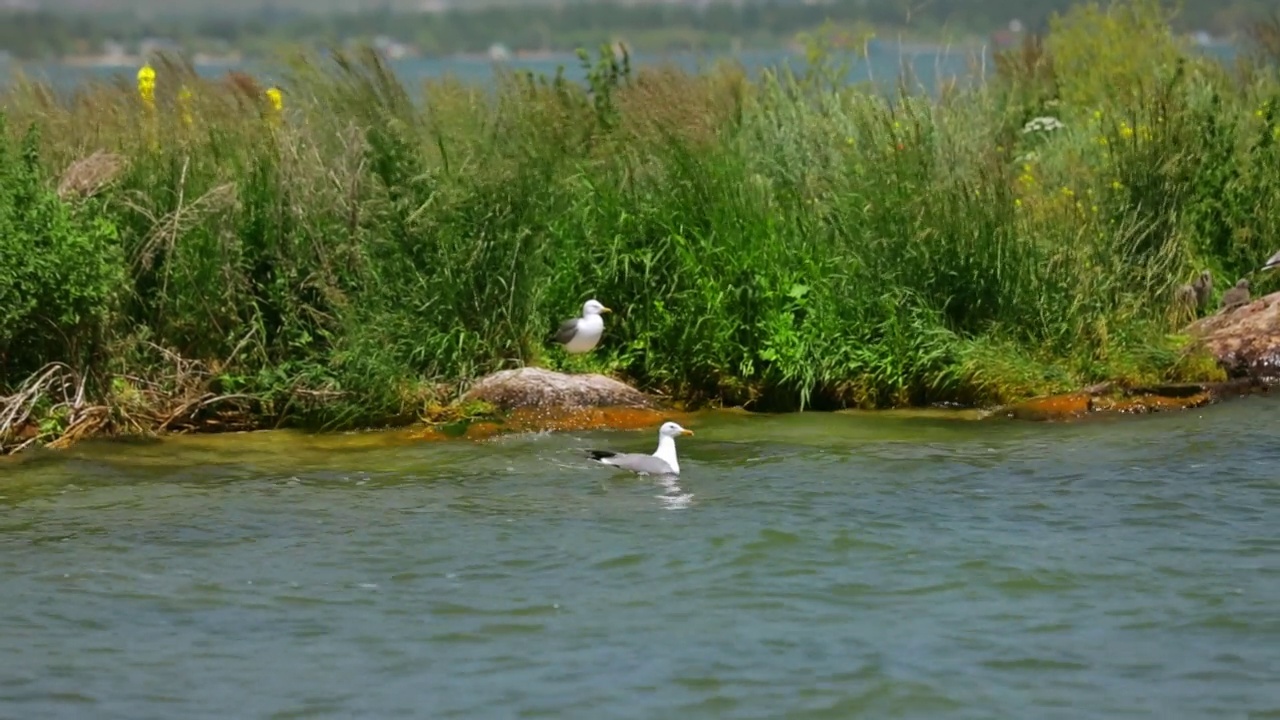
781,242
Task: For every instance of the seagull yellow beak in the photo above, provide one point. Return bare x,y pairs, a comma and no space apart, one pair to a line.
604,309
686,431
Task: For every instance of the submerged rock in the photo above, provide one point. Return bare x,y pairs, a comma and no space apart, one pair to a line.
1245,339
1104,399
1054,407
537,388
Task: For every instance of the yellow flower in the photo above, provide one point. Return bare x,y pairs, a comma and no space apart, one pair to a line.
1068,192
1095,209
184,102
849,140
1116,185
147,84
1102,141
1097,114
1017,202
1125,131
276,98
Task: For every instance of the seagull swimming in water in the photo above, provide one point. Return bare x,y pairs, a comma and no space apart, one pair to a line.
580,334
661,462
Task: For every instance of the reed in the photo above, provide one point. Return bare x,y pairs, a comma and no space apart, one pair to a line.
336,254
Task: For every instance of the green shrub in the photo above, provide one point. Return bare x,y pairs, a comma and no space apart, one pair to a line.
61,270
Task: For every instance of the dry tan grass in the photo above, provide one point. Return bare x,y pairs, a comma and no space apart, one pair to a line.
87,176
692,108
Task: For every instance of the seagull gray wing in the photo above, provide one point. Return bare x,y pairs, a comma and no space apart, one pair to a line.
635,462
566,331
1272,261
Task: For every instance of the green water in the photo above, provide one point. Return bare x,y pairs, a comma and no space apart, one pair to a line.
816,566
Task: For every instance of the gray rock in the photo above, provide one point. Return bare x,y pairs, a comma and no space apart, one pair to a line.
1243,338
535,387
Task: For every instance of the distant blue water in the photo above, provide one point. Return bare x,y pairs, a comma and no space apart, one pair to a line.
927,66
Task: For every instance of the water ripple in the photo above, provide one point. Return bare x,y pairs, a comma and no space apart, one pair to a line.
804,567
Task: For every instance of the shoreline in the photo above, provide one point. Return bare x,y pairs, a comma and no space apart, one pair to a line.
460,420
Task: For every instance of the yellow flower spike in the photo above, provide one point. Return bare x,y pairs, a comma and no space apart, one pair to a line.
276,99
147,84
184,103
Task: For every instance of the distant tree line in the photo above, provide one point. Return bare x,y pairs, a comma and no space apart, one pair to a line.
45,34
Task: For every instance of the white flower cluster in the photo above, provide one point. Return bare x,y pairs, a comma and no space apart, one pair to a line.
1042,124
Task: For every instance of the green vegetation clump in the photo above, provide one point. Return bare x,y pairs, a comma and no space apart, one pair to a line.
781,242
61,271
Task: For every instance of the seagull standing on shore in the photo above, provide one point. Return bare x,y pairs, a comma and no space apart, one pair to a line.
580,334
662,462
1236,296
1202,287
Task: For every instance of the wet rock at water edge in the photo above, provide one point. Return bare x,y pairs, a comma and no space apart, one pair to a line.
538,388
1244,339
1107,399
